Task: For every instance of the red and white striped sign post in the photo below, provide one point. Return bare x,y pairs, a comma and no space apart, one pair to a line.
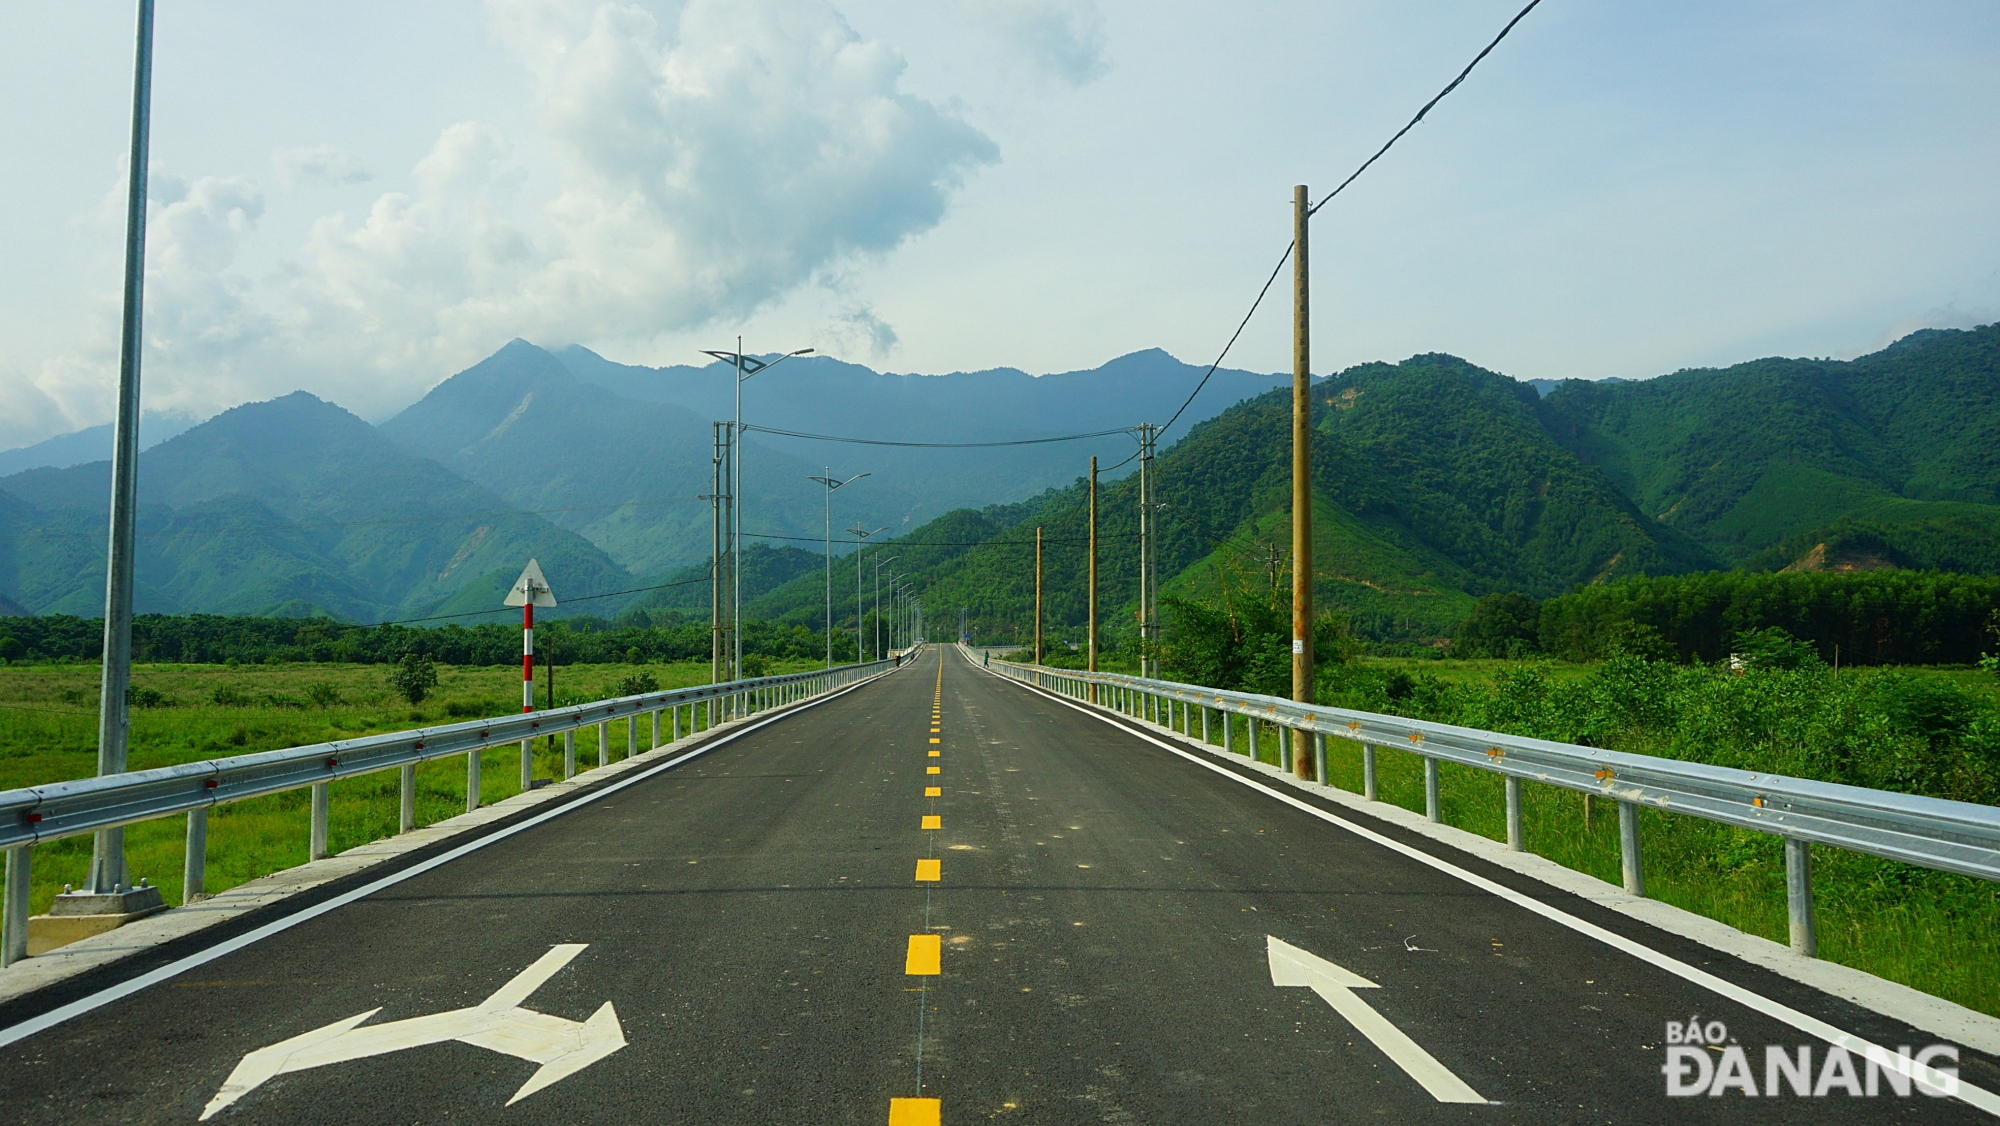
530,590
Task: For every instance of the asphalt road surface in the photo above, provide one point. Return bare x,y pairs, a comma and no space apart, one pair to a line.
1095,946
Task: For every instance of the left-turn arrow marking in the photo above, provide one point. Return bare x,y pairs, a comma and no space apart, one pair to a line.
562,1047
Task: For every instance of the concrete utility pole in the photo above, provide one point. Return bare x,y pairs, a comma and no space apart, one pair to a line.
1093,573
719,652
1038,596
108,875
1302,496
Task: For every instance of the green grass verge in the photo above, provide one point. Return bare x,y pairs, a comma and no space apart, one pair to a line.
48,733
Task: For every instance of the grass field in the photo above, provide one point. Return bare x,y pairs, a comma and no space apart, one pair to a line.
48,733
1933,931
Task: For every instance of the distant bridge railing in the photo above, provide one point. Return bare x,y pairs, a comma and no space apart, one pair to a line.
36,814
1950,836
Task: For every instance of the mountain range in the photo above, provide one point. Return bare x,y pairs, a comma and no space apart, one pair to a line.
1435,481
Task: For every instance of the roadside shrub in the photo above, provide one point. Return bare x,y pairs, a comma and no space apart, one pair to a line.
639,683
413,677
321,694
223,696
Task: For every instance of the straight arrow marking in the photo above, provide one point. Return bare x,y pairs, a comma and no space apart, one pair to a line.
1293,966
499,1024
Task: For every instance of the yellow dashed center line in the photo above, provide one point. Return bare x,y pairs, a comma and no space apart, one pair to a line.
932,821
933,791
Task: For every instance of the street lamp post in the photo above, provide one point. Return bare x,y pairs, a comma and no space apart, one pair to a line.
831,482
746,366
878,602
860,535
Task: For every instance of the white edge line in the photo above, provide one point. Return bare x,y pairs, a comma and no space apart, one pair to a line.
180,966
1976,1096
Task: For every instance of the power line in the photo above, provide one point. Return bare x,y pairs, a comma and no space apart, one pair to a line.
936,445
1356,174
494,514
950,543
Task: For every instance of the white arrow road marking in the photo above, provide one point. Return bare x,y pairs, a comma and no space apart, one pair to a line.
500,1024
1293,966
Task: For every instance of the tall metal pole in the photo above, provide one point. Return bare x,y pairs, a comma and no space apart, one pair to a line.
1038,596
716,572
1302,497
107,858
829,566
879,564
1093,570
736,520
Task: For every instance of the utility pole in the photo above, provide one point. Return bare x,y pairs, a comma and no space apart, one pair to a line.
108,874
1038,596
1302,497
1149,548
1093,573
719,650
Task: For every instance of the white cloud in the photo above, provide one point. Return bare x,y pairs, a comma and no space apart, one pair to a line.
318,164
857,328
1063,39
707,163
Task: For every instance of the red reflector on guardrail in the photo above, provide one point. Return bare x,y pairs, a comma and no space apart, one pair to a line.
31,818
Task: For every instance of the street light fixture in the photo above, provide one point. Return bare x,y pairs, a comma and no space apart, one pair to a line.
831,482
746,366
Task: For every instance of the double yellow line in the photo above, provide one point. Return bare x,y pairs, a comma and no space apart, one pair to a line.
924,957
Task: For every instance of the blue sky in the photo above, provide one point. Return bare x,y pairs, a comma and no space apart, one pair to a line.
361,199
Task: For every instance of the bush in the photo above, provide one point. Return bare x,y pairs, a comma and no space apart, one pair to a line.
223,696
137,697
321,694
639,683
754,665
413,677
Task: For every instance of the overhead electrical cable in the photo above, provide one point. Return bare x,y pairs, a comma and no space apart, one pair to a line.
936,445
1289,247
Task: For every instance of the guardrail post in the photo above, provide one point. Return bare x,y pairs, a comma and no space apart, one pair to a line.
632,735
194,867
1514,835
604,744
1204,723
1228,733
1431,811
1799,897
1319,758
1630,864
656,729
527,764
1368,772
1285,741
569,755
677,723
317,850
407,799
14,931
472,780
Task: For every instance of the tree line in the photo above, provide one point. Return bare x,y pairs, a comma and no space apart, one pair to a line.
636,637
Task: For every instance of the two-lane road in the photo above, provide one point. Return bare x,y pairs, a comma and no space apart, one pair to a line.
940,886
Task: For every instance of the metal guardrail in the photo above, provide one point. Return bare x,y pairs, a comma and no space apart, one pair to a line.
37,814
1950,836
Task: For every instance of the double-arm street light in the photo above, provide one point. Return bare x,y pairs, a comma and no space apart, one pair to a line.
831,482
746,366
860,536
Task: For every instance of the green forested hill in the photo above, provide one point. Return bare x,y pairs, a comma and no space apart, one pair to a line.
1435,482
1743,457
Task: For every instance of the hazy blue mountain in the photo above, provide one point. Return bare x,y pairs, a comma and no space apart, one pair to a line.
91,443
292,502
820,395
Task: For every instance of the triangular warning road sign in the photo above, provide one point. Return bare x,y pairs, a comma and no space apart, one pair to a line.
531,587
